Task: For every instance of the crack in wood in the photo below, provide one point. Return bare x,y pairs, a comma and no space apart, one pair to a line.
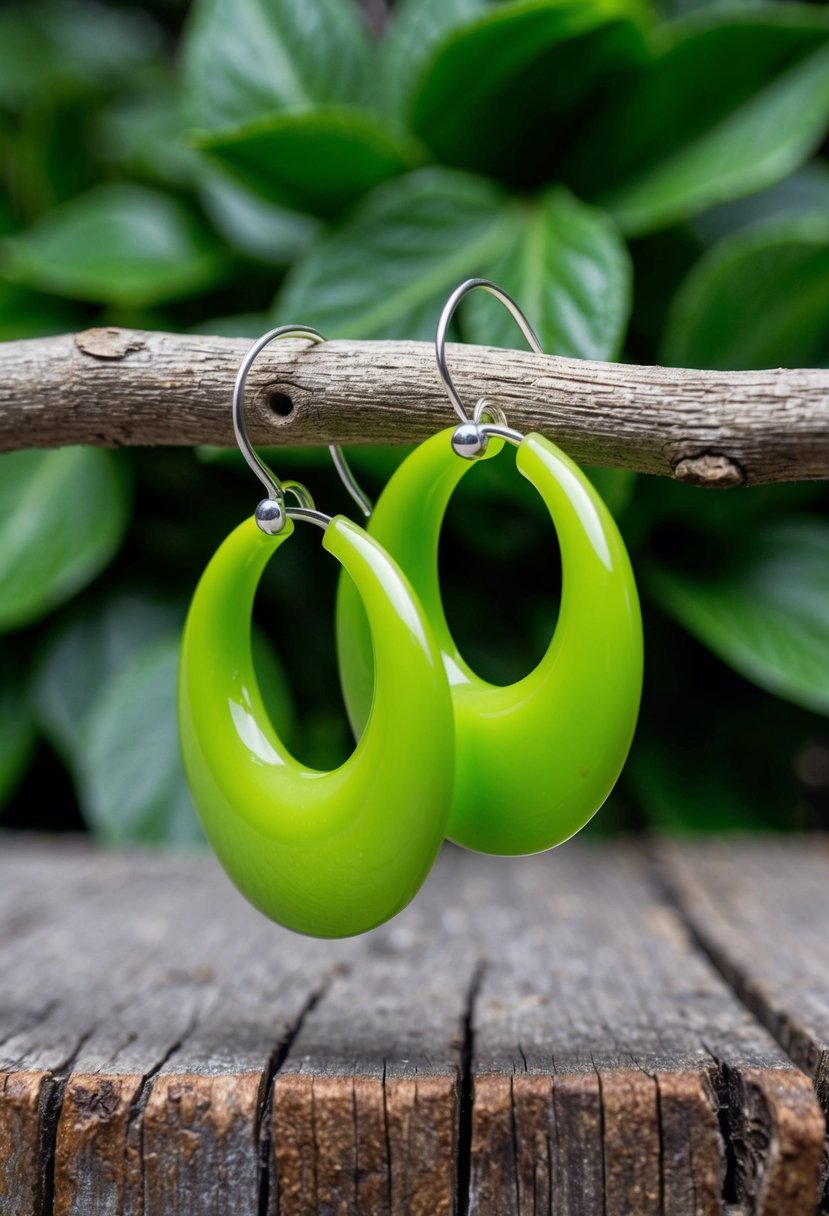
134,1133
54,1088
387,1137
602,1136
726,1118
466,1095
263,1127
765,1126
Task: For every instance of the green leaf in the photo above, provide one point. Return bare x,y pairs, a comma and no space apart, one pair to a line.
31,314
757,299
273,685
763,608
131,781
132,784
238,325
415,30
736,99
257,228
17,729
687,791
84,653
117,244
804,192
63,47
142,132
499,95
616,486
723,761
570,270
685,510
63,515
273,56
712,784
317,160
387,272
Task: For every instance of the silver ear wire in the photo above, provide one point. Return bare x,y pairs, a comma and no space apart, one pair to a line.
271,513
470,438
349,480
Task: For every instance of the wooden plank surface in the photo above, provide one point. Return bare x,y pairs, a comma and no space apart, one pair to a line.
610,1061
760,910
531,1036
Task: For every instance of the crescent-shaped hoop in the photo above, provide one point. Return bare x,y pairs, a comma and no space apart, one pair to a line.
325,853
537,758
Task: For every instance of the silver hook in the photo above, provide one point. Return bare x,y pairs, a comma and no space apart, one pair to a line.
469,439
349,481
271,512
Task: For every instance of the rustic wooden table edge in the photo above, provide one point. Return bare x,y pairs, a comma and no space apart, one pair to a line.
635,1027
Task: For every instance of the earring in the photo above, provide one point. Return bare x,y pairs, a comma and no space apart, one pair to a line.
325,853
536,759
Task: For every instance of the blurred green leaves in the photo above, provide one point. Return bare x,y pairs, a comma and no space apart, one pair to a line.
103,692
273,57
760,603
317,160
383,274
499,91
734,99
274,161
759,298
62,517
388,270
17,728
66,47
124,797
89,647
568,266
118,244
416,29
284,96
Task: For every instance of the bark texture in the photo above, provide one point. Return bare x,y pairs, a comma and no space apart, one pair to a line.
114,387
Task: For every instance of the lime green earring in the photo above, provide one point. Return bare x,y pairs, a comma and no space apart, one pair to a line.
324,853
536,759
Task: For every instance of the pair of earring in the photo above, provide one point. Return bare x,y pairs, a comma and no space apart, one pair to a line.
508,770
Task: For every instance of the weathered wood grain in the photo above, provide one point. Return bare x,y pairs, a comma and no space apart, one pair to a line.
612,1071
114,387
120,983
531,1035
38,882
366,1108
760,909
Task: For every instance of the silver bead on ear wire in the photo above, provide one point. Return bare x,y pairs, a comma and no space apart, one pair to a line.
271,513
470,438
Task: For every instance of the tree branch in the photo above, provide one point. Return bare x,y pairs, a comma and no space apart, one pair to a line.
113,386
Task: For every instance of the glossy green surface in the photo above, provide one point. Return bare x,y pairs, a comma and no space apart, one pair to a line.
537,758
325,853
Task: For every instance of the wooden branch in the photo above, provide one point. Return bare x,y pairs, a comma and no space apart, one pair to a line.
113,387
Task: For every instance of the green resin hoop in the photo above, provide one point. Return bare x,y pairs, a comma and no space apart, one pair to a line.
536,759
325,853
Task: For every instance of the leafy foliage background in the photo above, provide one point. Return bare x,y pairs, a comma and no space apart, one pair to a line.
649,179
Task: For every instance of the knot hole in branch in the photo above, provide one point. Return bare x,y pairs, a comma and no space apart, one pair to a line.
280,404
